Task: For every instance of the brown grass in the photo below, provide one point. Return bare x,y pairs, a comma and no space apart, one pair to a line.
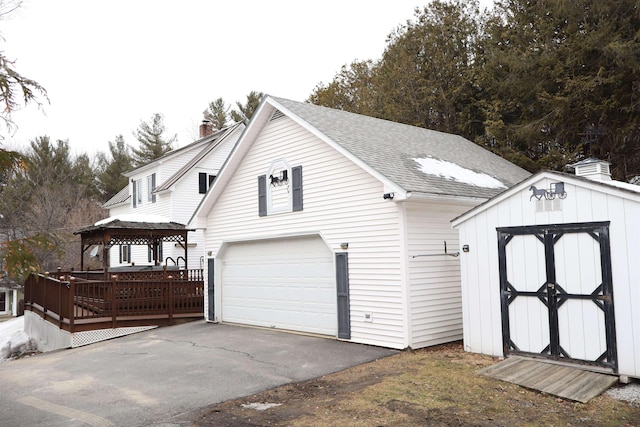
438,386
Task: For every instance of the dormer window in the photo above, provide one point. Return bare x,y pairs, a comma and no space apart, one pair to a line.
280,189
204,182
136,192
151,185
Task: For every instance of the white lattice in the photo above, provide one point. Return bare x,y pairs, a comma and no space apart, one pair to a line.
79,339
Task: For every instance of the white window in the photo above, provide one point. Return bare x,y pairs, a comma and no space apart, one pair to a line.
125,254
136,198
278,188
151,185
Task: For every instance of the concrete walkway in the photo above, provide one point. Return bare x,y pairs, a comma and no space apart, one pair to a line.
160,377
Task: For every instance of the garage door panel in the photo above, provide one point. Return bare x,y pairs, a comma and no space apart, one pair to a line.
287,284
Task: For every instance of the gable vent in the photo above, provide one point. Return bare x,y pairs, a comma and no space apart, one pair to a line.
277,115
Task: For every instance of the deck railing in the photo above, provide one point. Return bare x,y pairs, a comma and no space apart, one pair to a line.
127,299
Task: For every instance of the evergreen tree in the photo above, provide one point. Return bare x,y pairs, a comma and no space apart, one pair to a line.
41,199
217,113
554,71
246,110
110,176
153,143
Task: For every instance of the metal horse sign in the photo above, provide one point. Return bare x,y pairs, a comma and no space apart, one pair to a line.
555,189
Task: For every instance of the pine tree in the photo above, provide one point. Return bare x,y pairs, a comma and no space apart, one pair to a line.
153,143
217,113
246,110
110,176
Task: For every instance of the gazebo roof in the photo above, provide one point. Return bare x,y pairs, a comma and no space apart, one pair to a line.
119,232
130,230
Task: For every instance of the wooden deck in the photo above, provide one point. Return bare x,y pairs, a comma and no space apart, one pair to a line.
76,304
569,382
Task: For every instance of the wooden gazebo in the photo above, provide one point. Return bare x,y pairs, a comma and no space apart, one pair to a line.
121,232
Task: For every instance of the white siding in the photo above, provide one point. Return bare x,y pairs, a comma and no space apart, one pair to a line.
342,203
434,296
177,204
584,203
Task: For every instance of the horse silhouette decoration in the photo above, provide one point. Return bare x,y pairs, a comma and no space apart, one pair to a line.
556,189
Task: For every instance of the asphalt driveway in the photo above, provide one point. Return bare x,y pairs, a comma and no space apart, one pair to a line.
160,376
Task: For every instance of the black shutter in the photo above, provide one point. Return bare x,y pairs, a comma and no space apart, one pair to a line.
202,182
210,283
262,195
296,188
129,253
120,252
135,198
342,287
153,187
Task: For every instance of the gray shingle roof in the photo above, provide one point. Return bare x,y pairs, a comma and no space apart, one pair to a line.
390,148
220,136
120,197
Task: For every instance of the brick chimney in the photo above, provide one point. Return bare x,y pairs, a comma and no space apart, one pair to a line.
206,128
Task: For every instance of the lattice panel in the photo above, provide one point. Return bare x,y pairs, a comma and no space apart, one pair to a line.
78,339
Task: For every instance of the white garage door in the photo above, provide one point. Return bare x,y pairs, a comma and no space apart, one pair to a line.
286,284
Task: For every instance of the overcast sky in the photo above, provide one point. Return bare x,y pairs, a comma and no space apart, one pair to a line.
107,65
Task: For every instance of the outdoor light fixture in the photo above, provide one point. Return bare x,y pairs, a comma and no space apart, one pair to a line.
465,248
344,245
388,196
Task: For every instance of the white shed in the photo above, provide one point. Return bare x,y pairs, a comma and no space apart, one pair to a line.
334,223
550,269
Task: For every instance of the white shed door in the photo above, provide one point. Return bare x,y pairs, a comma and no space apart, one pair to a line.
285,284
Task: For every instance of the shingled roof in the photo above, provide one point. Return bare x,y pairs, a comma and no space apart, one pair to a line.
416,159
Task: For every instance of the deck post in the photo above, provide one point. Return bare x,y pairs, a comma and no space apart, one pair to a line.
114,305
44,299
170,299
72,308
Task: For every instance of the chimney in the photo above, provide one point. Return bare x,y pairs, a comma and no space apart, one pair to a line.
206,128
595,169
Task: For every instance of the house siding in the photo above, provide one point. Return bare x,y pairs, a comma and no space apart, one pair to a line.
336,193
177,204
434,280
584,203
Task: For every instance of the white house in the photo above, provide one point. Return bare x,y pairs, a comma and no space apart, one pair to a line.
9,293
550,268
169,189
334,223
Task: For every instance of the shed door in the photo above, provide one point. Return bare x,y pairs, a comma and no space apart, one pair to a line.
556,292
286,284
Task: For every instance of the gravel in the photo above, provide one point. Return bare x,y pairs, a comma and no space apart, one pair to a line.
627,392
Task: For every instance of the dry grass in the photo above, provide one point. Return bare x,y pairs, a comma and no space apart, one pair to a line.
436,386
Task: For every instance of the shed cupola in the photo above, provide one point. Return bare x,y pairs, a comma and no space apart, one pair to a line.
591,168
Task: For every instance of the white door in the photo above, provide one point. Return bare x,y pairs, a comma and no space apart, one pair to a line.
285,284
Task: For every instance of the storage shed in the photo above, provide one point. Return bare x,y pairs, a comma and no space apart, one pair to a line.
550,269
333,223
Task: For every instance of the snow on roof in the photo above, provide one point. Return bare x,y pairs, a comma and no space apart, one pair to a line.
134,218
624,185
452,171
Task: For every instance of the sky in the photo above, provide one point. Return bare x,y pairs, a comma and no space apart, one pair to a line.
108,65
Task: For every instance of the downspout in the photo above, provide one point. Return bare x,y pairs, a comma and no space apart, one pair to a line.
405,287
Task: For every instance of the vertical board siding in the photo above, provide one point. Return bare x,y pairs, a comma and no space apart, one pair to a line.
434,281
584,203
342,203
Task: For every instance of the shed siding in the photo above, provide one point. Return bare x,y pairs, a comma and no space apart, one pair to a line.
434,296
584,203
342,203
